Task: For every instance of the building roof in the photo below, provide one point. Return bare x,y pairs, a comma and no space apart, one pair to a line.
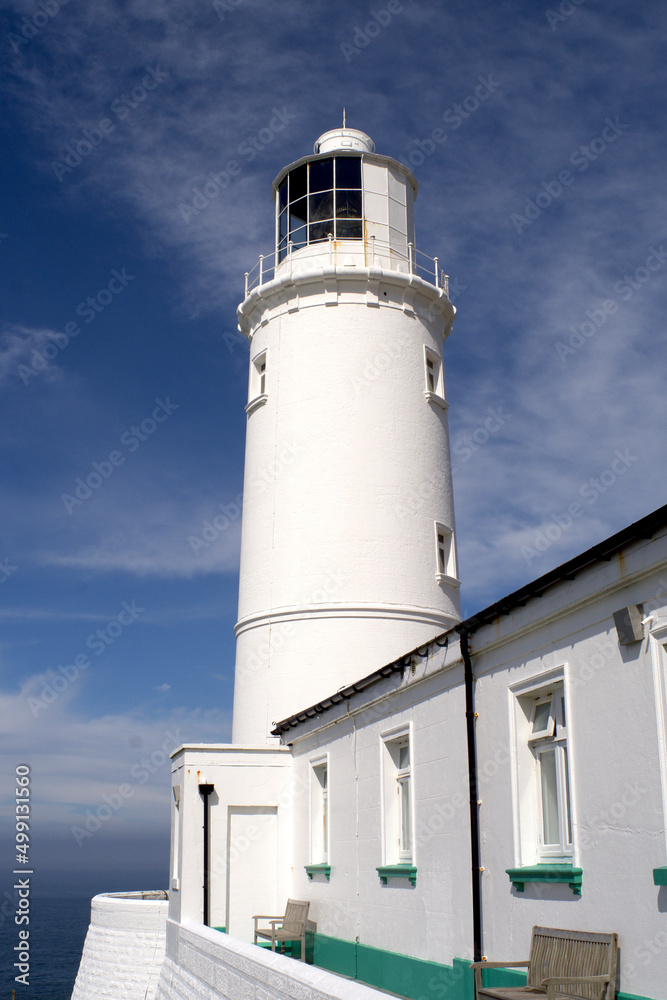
645,529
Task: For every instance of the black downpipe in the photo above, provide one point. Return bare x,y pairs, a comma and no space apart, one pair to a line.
471,715
205,791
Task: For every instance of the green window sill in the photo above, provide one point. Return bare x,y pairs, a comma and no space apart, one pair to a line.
397,871
660,876
557,873
318,870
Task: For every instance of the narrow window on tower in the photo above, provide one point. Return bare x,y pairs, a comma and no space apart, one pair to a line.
445,554
435,382
257,387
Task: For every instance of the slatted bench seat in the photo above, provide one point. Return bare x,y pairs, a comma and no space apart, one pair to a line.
562,965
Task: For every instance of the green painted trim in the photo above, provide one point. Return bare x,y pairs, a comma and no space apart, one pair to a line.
404,976
292,949
660,876
630,996
397,871
318,870
414,978
333,954
223,930
557,873
512,978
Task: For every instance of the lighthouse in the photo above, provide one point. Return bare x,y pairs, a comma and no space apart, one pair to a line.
348,552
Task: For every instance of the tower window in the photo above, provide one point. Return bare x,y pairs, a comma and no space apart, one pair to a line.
319,199
435,382
445,554
257,383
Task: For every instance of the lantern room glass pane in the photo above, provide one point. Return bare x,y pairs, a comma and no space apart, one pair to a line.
348,230
321,206
297,214
348,204
321,175
282,225
298,181
318,231
348,172
282,195
298,237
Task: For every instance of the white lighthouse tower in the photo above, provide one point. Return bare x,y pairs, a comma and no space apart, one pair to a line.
348,554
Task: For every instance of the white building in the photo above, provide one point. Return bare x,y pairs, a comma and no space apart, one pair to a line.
434,787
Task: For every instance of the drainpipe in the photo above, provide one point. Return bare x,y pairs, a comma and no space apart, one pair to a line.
205,791
471,715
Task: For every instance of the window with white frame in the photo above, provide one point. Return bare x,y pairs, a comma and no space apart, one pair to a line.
176,837
435,380
445,554
544,784
257,386
397,799
656,619
319,808
548,739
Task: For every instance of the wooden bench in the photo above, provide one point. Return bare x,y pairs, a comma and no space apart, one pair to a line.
562,965
292,925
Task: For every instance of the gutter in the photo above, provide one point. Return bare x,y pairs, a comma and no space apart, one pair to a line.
476,870
205,791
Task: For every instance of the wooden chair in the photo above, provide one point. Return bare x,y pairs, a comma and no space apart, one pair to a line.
562,965
292,925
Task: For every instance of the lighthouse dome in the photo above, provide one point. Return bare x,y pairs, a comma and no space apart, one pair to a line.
344,138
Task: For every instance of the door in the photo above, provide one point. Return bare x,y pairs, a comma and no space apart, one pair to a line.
252,861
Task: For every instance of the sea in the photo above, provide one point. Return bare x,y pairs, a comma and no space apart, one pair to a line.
58,923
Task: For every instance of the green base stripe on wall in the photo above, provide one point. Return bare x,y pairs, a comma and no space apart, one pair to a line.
413,978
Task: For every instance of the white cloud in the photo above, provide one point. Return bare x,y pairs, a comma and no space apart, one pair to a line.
27,353
78,763
152,538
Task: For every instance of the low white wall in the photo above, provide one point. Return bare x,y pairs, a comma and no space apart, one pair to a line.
124,947
208,965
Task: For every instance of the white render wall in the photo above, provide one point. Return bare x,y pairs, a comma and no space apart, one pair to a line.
616,753
617,737
124,947
347,471
206,964
250,833
432,920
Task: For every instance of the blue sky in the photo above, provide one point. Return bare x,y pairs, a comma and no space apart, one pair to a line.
536,134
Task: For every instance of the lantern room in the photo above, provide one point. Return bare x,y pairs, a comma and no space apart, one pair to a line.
346,200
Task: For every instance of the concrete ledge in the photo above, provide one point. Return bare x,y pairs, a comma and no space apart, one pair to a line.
208,965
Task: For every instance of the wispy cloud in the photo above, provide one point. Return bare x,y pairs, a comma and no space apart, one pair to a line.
26,353
76,760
